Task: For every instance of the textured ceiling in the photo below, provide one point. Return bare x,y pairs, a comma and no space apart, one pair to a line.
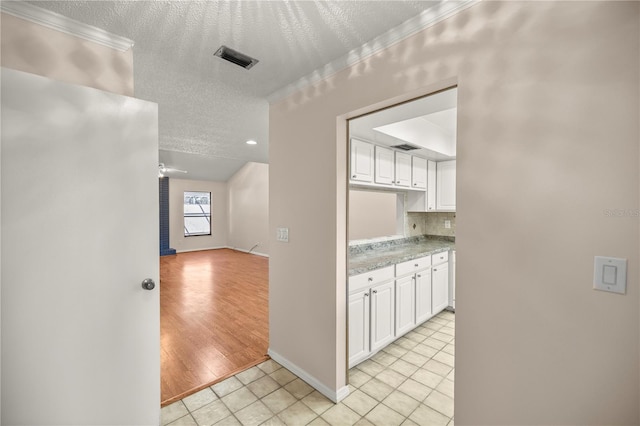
210,107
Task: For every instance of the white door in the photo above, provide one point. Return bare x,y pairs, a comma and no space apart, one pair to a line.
423,296
440,285
403,169
382,315
80,336
384,166
361,161
405,304
358,327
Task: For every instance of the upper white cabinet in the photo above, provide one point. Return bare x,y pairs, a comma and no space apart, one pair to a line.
418,173
361,161
431,187
402,170
382,167
384,170
424,201
446,185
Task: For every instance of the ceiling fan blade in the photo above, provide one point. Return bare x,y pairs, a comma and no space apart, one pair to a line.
169,169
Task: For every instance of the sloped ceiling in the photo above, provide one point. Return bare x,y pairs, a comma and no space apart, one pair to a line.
209,107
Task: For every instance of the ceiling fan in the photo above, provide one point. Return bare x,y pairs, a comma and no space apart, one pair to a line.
162,169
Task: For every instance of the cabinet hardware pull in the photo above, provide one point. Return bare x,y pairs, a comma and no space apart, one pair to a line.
435,270
370,279
353,177
375,292
366,295
419,276
416,265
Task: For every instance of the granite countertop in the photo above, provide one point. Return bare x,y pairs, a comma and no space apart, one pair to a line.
367,257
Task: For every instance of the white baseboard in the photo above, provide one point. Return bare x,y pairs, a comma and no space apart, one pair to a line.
335,396
201,249
257,253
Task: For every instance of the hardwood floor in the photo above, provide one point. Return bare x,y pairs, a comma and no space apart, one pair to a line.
214,319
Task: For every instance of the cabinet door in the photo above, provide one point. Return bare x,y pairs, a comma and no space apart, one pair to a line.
440,285
418,173
405,304
384,166
382,315
431,186
446,185
361,161
423,296
358,327
403,169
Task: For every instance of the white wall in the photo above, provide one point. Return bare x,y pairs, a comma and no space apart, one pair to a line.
373,214
547,142
218,237
248,191
35,49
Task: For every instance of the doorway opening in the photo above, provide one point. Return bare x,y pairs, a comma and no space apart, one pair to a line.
401,208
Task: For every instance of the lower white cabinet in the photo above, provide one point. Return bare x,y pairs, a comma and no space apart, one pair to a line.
382,309
440,287
424,309
405,304
358,326
382,315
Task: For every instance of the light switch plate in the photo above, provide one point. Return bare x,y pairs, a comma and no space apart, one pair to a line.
610,274
282,234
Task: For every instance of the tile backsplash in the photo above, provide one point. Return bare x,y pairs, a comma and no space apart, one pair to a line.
430,224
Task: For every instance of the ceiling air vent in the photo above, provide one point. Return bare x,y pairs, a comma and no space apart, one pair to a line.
405,147
236,57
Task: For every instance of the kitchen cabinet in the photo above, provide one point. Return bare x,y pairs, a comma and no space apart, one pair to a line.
446,185
358,326
402,169
361,159
384,169
405,304
440,282
431,186
418,173
424,201
424,310
382,315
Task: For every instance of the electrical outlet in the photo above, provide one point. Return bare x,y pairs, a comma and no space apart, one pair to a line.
447,224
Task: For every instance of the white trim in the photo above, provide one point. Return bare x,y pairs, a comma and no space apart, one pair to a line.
257,253
202,249
66,25
424,20
335,396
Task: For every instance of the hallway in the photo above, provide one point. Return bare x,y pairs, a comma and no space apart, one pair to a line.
213,318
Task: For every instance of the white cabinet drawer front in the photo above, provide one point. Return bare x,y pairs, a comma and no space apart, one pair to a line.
367,279
411,266
439,258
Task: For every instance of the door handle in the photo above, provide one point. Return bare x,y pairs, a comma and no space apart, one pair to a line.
148,284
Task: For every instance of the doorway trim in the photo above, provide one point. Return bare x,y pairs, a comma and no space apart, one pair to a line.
342,207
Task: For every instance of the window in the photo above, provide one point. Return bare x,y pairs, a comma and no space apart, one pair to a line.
197,213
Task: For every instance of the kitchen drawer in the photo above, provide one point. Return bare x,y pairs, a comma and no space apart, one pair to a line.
411,266
439,258
358,282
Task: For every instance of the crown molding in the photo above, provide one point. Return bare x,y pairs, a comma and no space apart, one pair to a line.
49,19
427,18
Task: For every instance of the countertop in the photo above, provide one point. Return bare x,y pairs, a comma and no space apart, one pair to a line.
367,257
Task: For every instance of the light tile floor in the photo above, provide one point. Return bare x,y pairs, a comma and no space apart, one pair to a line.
409,382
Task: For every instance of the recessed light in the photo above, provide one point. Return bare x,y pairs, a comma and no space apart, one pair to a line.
252,142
